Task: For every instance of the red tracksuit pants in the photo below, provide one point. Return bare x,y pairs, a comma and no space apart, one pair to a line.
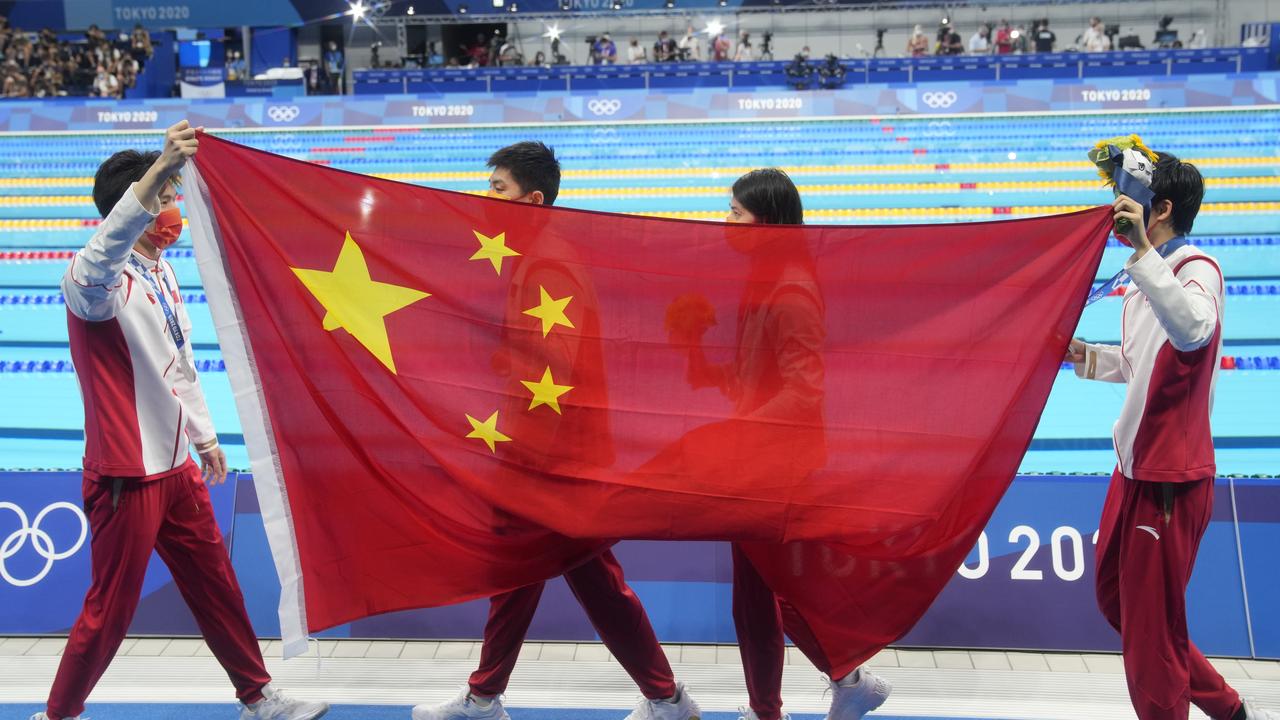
173,516
611,606
1147,546
760,617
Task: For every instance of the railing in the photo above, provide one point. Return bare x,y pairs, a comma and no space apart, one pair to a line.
1144,63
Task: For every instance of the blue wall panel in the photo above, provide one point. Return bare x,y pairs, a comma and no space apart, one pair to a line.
1028,584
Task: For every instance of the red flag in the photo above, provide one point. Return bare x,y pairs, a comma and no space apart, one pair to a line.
446,396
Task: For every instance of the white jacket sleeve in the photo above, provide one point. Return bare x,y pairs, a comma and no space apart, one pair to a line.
1188,304
187,383
1101,362
96,272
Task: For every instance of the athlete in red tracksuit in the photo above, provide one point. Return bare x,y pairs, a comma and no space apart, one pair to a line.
130,343
529,172
1161,494
777,375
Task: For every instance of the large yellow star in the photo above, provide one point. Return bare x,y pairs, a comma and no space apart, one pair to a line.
493,249
487,431
550,311
355,302
546,391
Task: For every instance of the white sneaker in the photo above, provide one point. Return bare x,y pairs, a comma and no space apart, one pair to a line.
682,707
463,707
746,713
1253,712
275,705
858,694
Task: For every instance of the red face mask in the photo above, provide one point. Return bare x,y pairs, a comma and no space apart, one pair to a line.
166,228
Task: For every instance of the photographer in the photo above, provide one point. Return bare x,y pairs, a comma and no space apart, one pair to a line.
832,73
799,73
334,69
688,46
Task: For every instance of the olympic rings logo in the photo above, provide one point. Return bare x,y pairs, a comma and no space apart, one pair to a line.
604,107
40,541
939,100
283,113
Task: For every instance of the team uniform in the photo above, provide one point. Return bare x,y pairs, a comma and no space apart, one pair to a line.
778,374
1161,494
143,405
581,431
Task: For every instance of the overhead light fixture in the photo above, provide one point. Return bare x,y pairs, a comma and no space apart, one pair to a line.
714,27
723,3
410,12
462,9
566,5
617,4
499,3
513,8
670,4
553,32
357,9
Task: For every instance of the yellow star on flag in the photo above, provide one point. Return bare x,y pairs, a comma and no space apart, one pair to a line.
546,391
493,249
550,311
355,302
487,431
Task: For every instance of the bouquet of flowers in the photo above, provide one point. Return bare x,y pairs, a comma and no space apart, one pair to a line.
1126,164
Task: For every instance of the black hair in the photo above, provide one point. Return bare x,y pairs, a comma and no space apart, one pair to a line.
769,194
116,174
1181,184
533,166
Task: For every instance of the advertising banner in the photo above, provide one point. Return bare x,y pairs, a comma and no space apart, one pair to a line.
1027,584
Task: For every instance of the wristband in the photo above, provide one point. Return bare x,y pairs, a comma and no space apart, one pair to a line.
206,447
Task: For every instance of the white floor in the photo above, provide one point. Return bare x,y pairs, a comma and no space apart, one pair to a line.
1021,686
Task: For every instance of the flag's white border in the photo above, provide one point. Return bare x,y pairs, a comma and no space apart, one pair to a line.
246,386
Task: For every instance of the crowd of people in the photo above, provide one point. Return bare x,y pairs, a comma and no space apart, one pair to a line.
40,65
689,47
715,45
1007,39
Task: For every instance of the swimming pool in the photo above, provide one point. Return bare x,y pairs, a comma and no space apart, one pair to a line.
867,171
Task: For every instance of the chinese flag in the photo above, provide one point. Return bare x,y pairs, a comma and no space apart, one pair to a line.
446,396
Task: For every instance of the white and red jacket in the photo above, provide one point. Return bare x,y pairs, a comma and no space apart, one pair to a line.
142,400
1170,352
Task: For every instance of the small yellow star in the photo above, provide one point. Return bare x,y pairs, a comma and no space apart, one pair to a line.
487,431
357,303
546,391
550,311
493,249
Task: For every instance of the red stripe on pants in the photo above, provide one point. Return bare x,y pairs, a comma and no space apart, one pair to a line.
760,617
1142,587
172,515
611,606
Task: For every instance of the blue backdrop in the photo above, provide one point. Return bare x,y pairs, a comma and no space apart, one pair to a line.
1027,584
679,104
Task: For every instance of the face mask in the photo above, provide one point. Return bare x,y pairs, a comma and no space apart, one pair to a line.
166,228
